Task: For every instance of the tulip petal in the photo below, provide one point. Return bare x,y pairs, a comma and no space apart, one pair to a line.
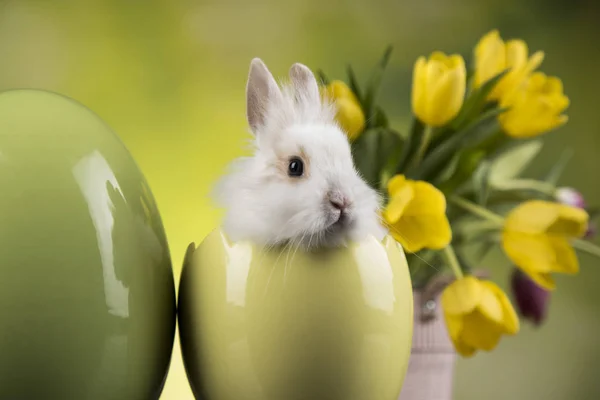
428,200
338,89
488,40
454,326
350,117
510,320
410,245
537,81
490,57
566,259
480,332
559,121
534,216
571,221
516,53
434,71
396,183
419,88
461,296
430,231
406,236
447,96
542,279
398,204
489,305
443,233
463,349
553,85
530,252
535,61
516,61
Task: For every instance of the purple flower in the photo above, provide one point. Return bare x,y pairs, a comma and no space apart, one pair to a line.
531,299
570,197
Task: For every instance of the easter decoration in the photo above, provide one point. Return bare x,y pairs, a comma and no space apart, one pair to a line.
86,285
299,294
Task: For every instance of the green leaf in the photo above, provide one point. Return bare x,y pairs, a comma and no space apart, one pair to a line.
587,247
475,102
512,163
374,84
353,84
371,152
380,120
390,143
364,151
559,166
481,182
450,170
476,132
498,198
411,145
468,162
463,261
485,248
322,77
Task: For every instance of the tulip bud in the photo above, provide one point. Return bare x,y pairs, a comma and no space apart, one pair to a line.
493,55
531,299
439,85
535,108
349,112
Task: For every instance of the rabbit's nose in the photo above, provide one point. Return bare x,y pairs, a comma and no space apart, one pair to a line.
339,201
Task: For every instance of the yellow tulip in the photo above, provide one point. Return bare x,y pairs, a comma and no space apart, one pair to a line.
416,215
349,113
536,238
477,314
439,86
493,55
535,108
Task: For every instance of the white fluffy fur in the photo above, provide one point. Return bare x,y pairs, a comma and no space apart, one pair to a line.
266,206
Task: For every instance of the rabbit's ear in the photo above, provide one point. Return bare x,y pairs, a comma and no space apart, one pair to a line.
305,82
261,90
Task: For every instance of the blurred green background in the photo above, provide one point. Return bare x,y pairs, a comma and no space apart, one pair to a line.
169,76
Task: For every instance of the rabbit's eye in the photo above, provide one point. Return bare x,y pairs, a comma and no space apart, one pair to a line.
295,167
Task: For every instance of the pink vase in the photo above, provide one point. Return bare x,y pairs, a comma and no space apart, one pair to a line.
430,373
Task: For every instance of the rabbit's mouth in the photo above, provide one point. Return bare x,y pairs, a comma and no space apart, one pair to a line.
339,227
340,222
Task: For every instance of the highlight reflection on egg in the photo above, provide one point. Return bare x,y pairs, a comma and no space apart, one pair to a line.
87,297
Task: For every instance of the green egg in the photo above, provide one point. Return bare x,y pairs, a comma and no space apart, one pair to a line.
87,295
258,324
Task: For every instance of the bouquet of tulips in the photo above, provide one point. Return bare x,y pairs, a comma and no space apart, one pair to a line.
455,180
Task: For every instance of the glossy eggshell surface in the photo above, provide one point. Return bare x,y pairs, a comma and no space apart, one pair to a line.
273,325
87,297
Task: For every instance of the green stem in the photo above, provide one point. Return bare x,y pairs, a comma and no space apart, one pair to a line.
450,258
427,135
527,184
478,228
586,247
477,210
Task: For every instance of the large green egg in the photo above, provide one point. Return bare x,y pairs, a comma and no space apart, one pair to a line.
277,324
87,296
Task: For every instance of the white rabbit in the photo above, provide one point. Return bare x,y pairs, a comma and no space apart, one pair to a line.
300,186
